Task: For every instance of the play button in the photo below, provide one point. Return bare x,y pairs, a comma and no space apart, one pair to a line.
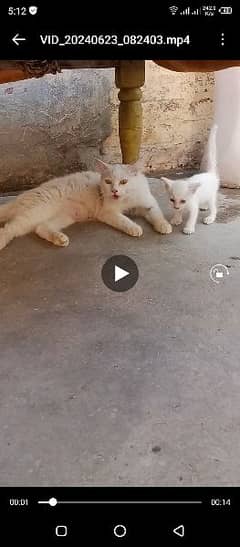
120,273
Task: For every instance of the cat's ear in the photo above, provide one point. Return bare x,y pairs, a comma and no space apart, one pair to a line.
167,183
102,167
137,167
192,188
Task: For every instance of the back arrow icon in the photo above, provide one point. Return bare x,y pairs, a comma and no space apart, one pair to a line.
179,531
16,39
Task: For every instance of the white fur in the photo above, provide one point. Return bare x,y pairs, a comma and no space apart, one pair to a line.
196,192
79,197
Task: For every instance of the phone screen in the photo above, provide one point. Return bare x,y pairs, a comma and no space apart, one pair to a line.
120,268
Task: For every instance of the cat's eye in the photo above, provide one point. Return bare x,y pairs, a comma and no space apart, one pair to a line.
172,199
123,181
108,181
183,201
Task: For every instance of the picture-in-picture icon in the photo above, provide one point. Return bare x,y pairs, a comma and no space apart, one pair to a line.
218,272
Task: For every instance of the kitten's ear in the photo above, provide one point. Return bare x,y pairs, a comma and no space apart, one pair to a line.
136,167
167,183
192,188
102,167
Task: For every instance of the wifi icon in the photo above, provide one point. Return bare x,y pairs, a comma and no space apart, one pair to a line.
173,10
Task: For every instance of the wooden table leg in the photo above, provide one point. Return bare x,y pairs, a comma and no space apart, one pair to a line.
130,76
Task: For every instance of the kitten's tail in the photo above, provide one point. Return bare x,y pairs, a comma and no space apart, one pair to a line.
5,212
212,150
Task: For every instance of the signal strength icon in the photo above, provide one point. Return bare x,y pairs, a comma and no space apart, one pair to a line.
173,10
196,12
185,12
188,11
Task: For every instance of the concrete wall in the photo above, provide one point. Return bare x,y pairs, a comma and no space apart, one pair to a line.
52,125
58,124
177,110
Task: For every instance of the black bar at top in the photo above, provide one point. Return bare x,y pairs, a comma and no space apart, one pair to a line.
205,32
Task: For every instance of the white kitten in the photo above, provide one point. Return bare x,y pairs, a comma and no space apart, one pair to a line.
198,191
106,196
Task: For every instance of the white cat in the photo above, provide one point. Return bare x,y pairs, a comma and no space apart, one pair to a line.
198,191
106,196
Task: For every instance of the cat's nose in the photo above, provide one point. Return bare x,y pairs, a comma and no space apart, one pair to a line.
115,191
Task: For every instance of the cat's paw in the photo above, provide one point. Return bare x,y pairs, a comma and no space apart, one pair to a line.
188,230
208,220
176,221
135,231
61,240
163,228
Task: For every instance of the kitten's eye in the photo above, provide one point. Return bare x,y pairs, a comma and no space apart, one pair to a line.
108,181
123,181
183,201
172,199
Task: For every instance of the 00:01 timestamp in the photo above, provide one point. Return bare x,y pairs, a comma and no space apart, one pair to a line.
114,40
18,502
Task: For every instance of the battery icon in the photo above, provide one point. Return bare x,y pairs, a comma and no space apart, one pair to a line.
225,10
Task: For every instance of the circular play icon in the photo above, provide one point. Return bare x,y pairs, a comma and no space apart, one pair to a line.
120,273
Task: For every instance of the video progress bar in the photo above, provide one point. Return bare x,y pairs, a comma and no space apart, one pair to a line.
53,502
133,502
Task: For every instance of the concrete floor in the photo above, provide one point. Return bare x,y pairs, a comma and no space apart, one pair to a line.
135,388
